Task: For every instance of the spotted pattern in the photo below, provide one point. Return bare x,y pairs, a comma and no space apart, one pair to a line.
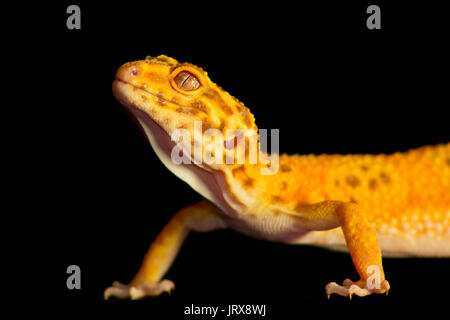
373,184
352,181
402,193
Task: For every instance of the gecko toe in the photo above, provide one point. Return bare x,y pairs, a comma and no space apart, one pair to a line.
135,292
350,288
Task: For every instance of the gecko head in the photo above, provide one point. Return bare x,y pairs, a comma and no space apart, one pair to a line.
179,100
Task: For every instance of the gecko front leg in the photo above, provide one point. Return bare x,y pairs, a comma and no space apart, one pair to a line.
361,242
202,217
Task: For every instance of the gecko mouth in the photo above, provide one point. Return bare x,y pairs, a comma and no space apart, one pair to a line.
137,113
149,126
142,115
208,182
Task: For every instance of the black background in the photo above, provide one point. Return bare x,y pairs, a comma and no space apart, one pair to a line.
312,70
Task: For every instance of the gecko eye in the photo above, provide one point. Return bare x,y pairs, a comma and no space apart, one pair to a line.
187,81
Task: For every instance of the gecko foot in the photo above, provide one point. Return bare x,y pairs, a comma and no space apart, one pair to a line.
359,288
123,291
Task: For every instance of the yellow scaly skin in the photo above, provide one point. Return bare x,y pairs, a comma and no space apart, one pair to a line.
398,204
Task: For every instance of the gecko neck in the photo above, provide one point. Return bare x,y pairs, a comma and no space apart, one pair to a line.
210,183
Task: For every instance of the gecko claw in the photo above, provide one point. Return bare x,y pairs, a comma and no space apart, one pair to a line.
135,292
350,288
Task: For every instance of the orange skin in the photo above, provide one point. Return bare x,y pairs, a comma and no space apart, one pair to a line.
407,191
397,204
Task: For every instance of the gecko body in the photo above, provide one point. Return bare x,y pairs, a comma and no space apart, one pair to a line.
398,204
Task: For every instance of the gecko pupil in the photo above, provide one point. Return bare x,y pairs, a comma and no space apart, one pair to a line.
187,81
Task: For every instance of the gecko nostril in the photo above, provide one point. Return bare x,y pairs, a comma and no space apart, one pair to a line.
134,72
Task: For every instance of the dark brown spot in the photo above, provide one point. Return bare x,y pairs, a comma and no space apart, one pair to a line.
373,184
448,162
226,108
238,170
239,173
277,199
206,125
352,200
285,168
223,125
385,178
186,110
200,106
337,183
283,186
248,183
364,168
143,98
352,181
160,99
